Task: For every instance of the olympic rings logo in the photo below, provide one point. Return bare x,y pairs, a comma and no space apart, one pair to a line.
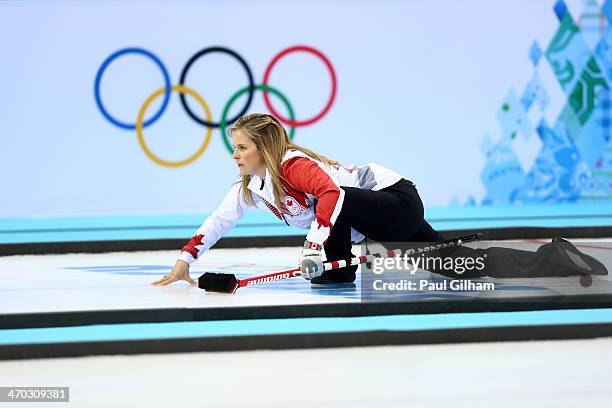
207,121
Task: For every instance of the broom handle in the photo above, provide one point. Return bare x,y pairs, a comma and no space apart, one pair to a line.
327,266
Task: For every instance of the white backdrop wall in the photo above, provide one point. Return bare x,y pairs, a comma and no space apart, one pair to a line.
419,90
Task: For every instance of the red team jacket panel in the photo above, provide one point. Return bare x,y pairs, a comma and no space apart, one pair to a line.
306,176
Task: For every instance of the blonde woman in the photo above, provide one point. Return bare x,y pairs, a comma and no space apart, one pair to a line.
340,205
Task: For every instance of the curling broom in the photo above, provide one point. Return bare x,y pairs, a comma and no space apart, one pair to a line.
228,283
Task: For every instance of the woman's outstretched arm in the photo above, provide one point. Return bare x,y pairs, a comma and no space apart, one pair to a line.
217,224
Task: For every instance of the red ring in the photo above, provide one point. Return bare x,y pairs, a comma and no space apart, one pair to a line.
317,53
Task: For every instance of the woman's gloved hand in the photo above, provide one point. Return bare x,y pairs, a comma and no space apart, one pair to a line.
311,262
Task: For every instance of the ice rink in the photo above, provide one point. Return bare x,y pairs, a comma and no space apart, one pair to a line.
47,300
541,374
119,281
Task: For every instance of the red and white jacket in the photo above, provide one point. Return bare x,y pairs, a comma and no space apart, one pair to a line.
305,181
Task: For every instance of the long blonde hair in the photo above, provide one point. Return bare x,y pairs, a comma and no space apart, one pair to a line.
272,141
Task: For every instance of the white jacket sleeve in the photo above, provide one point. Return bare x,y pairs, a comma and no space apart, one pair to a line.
217,224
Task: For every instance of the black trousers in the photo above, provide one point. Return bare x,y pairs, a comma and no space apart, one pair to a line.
395,214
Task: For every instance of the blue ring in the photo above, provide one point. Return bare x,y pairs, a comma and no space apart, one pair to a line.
105,65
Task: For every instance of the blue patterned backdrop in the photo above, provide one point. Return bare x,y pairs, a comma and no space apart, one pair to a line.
567,160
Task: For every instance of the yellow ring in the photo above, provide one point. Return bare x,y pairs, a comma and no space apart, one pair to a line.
140,120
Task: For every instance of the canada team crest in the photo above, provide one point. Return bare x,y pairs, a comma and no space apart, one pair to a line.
292,205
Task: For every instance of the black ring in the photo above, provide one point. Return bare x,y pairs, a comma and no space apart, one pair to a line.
193,59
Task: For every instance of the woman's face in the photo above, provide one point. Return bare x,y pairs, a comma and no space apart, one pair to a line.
248,157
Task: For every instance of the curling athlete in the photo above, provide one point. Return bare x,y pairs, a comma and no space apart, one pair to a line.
340,205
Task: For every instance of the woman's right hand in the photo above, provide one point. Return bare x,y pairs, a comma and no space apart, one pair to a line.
179,272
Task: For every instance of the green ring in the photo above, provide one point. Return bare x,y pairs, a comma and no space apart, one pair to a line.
228,105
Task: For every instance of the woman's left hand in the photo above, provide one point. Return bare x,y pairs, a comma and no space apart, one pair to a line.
311,262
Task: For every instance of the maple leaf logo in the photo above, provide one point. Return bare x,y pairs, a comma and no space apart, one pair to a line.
192,245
